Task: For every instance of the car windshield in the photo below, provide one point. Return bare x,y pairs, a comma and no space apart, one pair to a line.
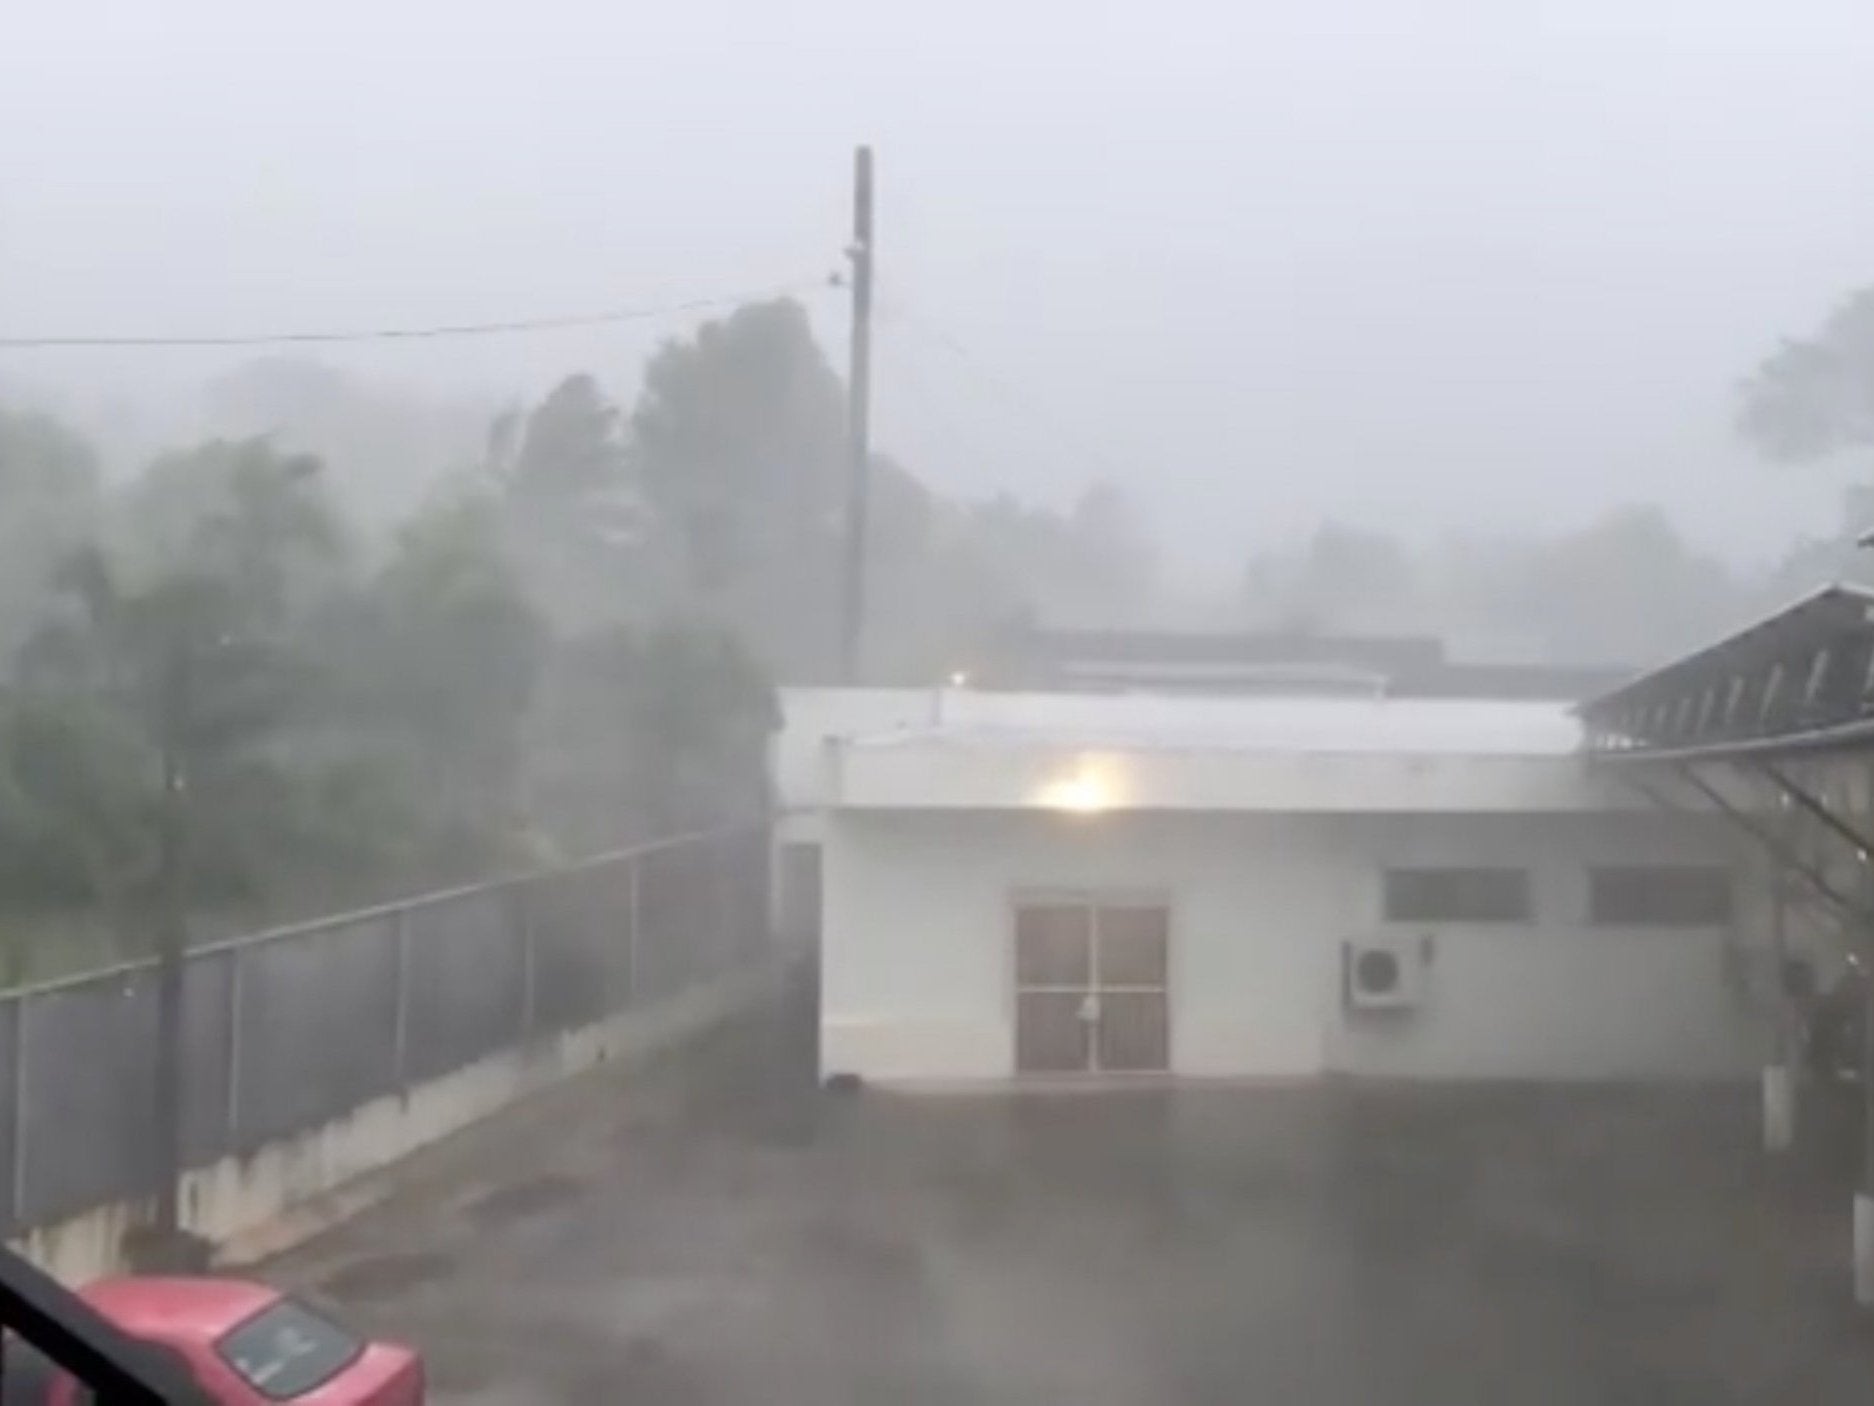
1098,701
26,1373
288,1350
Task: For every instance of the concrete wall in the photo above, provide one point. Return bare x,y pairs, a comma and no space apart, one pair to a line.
917,977
1557,998
261,1203
959,775
916,967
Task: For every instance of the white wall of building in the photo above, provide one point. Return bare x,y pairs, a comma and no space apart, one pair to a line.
1021,772
1558,998
917,970
916,963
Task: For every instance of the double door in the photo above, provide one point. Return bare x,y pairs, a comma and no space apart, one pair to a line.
1091,979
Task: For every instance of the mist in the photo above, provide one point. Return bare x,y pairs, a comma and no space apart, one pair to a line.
1452,267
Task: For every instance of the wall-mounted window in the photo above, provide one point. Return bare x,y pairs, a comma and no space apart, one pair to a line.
1659,896
1456,896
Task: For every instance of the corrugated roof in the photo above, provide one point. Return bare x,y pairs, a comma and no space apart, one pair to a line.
1799,680
1831,610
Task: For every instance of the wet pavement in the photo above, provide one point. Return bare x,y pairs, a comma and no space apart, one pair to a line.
722,1232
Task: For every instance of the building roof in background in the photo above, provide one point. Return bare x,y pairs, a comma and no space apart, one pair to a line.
1411,666
1387,653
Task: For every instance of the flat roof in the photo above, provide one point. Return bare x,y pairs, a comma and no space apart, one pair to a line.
1325,726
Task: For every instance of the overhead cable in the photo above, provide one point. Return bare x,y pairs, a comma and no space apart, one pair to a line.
606,317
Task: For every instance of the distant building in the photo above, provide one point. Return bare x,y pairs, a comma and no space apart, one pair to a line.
1057,660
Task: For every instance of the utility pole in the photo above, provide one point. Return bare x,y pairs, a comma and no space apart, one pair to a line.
165,1247
172,899
858,421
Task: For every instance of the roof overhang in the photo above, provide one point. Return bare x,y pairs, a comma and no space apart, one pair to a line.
1798,681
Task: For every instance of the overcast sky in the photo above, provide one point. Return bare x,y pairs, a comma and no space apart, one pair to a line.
1423,263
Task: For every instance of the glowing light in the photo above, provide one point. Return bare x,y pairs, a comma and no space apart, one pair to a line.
960,678
1090,788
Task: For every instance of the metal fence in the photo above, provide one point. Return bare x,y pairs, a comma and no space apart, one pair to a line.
288,1028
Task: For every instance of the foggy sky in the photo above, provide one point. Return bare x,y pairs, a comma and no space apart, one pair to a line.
1421,263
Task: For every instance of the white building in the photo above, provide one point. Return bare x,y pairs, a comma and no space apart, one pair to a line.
1060,885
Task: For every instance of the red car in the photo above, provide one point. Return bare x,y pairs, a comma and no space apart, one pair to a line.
245,1343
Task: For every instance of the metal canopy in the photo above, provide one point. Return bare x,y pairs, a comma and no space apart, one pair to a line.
1797,685
1800,681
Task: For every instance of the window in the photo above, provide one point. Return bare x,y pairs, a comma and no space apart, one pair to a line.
1457,896
288,1350
1666,896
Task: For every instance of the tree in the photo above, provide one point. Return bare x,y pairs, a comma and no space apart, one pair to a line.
1814,396
573,511
649,732
49,501
244,511
1624,589
177,668
1112,567
384,444
78,796
1348,578
429,670
740,433
999,562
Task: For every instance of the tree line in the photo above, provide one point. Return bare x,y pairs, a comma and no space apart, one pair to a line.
570,641
570,637
1627,588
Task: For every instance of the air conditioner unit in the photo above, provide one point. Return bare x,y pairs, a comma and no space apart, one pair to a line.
1386,971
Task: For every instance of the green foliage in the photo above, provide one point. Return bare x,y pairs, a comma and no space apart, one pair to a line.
1565,598
740,435
430,668
78,796
171,654
642,733
382,445
1814,396
1581,590
40,458
49,498
572,514
740,441
255,518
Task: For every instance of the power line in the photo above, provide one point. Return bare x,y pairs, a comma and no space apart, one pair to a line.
604,318
1030,405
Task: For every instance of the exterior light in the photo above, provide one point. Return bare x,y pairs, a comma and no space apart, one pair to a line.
959,678
1090,788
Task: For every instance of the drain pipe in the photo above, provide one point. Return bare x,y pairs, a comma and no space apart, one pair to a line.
1779,1076
1864,1196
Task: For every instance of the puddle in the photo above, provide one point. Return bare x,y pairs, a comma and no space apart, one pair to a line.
381,1276
521,1198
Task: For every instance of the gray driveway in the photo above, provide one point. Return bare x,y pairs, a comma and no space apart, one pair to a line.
723,1233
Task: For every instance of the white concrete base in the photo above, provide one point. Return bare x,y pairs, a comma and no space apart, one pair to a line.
1864,1249
1779,1108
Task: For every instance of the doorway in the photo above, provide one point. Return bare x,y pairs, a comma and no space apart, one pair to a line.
1091,987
